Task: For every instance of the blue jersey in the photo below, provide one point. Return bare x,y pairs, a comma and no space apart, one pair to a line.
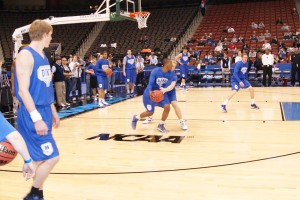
6,128
240,72
100,66
184,58
40,87
158,79
130,62
91,66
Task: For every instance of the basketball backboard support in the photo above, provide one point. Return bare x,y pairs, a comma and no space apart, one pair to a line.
108,10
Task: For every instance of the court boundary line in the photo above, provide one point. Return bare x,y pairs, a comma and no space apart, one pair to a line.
165,170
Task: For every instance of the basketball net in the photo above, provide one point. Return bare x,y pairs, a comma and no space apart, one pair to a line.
141,18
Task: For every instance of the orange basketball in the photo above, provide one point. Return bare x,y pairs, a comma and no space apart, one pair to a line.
108,72
7,152
156,96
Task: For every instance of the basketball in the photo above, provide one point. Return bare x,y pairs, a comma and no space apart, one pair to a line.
7,153
108,72
156,96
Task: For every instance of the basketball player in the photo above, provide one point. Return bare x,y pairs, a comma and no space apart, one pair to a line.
239,80
129,72
8,132
158,80
173,100
100,70
183,60
37,113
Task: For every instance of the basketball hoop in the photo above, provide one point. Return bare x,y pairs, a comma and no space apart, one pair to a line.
141,18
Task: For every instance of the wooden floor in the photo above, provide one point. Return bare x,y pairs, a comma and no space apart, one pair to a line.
243,154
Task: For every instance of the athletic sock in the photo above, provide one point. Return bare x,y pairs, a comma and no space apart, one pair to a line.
252,101
225,102
161,122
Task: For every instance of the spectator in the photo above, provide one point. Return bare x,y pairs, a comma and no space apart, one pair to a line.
203,7
139,65
282,45
210,59
153,59
261,38
295,59
253,38
68,74
75,67
231,46
267,34
294,11
252,54
287,36
147,60
173,39
225,65
234,39
298,32
245,47
58,79
195,75
274,40
219,48
258,62
279,21
230,30
241,39
285,27
238,57
296,43
119,64
282,54
261,25
112,77
254,25
266,45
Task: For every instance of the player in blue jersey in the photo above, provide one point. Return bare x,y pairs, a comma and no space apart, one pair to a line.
158,80
239,80
129,72
8,132
173,100
183,60
101,67
37,113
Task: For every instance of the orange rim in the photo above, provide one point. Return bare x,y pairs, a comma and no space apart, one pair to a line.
134,14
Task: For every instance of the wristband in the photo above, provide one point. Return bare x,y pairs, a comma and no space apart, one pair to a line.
35,116
28,161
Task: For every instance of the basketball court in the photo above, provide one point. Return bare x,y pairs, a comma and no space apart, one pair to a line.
242,154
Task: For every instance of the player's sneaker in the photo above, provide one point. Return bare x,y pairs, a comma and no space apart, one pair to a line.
100,104
185,88
183,125
32,197
105,103
128,95
254,106
132,94
134,122
148,120
161,128
223,107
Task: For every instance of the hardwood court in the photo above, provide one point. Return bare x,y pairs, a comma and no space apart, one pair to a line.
243,154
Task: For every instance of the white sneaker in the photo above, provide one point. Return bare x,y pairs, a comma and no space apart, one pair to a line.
100,104
183,125
148,120
105,103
